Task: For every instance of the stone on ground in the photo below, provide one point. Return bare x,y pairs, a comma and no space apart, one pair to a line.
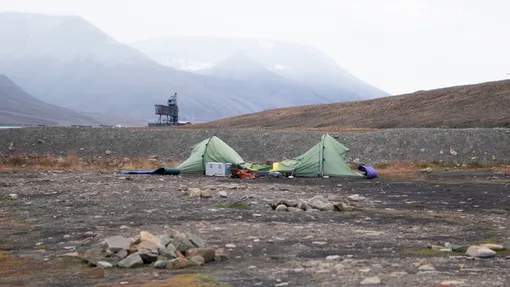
221,255
302,205
506,245
160,264
426,267
207,253
371,281
355,197
121,254
328,207
93,256
132,261
294,209
194,192
165,239
117,243
342,206
335,198
318,202
104,264
147,236
149,251
332,257
222,194
451,283
177,263
494,247
206,193
480,252
182,244
170,250
281,207
290,203
196,260
195,240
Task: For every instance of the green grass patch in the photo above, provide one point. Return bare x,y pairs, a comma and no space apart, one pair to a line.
237,205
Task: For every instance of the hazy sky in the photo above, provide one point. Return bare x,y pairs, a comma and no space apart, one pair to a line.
398,46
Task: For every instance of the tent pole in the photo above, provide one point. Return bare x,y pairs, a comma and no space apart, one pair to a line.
205,150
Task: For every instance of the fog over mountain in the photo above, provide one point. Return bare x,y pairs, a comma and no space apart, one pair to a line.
20,108
67,61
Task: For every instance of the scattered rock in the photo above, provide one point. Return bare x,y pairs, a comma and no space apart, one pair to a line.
281,284
13,196
196,260
356,197
426,267
318,202
96,273
319,242
182,244
195,240
506,245
303,205
93,256
221,255
480,252
290,203
160,264
108,152
230,245
104,264
451,283
194,192
148,250
121,254
165,239
177,263
222,194
333,257
117,243
147,236
122,227
206,194
281,207
208,254
328,207
170,251
371,281
343,206
132,261
458,248
335,198
398,274
494,247
294,209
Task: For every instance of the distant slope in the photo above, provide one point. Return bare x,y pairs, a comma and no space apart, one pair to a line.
307,66
17,107
479,105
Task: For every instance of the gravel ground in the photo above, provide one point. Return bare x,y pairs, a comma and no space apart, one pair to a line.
448,145
58,212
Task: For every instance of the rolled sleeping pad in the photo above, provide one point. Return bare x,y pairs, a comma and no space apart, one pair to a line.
368,171
167,171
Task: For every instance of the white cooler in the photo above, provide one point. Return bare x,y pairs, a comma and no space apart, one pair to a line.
217,168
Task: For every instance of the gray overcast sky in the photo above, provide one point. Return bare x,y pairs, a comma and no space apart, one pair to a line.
399,46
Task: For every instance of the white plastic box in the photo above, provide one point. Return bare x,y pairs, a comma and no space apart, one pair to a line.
217,169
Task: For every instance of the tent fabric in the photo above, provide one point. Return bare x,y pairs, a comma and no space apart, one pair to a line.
326,158
212,149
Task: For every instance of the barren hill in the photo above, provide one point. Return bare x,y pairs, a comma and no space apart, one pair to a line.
18,107
479,105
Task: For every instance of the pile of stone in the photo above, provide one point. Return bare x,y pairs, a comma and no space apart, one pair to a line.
487,250
171,250
317,203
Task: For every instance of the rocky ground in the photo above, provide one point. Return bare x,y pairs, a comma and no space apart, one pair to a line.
382,241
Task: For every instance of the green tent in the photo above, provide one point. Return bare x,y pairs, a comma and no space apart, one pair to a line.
326,158
212,149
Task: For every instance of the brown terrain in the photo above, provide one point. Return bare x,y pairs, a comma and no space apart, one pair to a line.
470,106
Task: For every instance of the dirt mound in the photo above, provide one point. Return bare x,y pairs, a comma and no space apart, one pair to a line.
480,105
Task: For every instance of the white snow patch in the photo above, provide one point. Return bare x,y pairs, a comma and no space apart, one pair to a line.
265,44
187,65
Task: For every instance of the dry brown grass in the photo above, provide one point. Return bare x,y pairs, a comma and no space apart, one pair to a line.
72,162
405,168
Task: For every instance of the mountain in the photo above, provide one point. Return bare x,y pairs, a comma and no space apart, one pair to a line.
20,108
305,65
65,60
471,106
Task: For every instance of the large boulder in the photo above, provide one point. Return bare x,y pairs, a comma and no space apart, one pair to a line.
132,261
148,251
117,243
480,251
318,202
